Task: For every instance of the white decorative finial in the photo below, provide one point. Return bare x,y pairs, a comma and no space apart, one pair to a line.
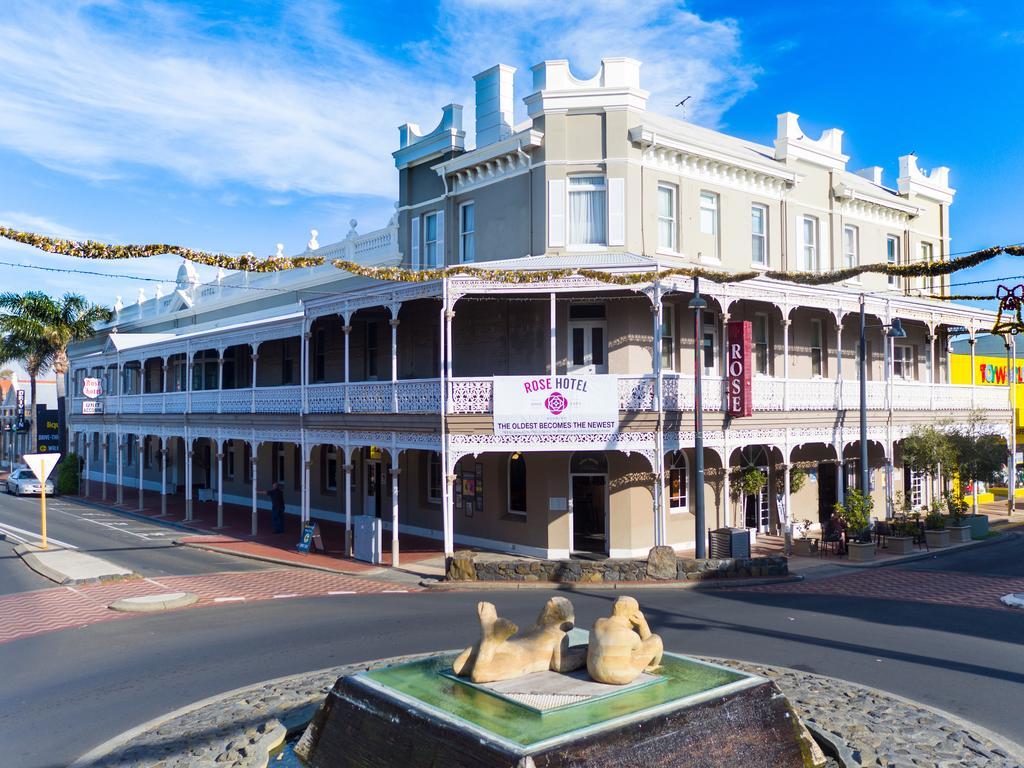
352,229
312,245
118,305
280,251
393,221
159,291
221,274
142,295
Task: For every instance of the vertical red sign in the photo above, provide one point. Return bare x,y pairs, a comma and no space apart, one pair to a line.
739,401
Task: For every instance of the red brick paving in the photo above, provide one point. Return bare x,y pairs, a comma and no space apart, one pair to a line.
48,610
939,587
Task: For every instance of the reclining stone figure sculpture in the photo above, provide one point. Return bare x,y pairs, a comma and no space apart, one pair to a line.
500,656
622,646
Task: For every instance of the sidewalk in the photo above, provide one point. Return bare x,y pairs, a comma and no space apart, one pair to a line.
235,537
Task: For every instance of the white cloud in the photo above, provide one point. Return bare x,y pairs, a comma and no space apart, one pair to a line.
99,88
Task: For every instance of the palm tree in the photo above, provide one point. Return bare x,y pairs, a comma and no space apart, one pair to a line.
34,358
42,328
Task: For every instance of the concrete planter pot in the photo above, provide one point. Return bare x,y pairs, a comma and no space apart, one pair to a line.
978,524
805,547
861,552
937,539
959,534
899,545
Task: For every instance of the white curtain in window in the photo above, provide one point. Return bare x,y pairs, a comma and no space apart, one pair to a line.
587,213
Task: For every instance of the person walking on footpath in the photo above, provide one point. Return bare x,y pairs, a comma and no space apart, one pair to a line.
277,507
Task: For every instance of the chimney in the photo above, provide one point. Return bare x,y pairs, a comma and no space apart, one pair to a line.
494,104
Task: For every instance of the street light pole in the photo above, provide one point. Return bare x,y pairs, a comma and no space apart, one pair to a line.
697,304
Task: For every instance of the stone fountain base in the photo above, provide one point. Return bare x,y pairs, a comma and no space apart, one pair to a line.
689,713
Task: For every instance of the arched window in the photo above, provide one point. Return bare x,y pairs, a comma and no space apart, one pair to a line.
677,482
517,484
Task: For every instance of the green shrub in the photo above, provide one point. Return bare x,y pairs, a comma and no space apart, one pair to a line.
67,475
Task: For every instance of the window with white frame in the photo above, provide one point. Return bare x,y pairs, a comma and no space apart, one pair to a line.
430,240
667,227
761,343
434,478
129,450
668,338
892,257
467,232
588,210
915,488
517,484
817,349
229,463
903,361
759,234
330,464
851,246
708,213
677,482
809,244
926,257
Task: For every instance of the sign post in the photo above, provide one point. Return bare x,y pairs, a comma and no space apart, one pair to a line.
42,465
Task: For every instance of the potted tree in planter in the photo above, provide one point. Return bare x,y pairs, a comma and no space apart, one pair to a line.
935,532
748,481
856,512
805,546
900,540
978,455
959,530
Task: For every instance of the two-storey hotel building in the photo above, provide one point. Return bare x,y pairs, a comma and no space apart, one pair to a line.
426,403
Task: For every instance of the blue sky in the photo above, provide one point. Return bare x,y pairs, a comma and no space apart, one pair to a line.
235,126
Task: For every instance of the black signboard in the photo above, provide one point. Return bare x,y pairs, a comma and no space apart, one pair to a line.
311,539
20,412
48,430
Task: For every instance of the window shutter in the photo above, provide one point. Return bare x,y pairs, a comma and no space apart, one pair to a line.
439,259
556,213
414,240
616,211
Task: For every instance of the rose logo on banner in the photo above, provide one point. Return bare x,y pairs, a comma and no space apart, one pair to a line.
556,403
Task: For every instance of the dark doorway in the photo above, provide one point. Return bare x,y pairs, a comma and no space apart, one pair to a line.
588,510
827,497
374,490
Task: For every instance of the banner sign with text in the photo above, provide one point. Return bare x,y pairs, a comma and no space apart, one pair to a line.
92,407
556,403
20,409
739,400
48,430
92,387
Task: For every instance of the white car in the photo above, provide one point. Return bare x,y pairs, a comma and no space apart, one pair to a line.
24,481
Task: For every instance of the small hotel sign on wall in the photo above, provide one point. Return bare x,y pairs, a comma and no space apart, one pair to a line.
738,396
556,404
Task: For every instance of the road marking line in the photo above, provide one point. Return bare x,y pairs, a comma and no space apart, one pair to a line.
278,597
113,527
7,527
227,599
342,593
394,591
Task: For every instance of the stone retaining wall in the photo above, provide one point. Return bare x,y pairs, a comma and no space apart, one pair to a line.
660,566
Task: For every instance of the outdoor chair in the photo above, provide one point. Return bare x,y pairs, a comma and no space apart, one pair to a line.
919,538
882,531
830,539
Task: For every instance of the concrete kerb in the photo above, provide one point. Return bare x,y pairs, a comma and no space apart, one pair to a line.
29,556
278,560
997,539
154,603
573,586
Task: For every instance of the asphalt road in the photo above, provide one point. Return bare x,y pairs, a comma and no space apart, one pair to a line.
143,546
85,686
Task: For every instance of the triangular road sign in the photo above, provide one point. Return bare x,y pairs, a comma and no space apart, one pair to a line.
41,464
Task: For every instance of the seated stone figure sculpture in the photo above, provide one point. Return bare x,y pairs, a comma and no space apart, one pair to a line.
622,645
499,656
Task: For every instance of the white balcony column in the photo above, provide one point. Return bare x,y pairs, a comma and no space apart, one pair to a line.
304,374
449,514
188,478
840,475
163,390
348,502
449,354
553,336
788,522
347,330
163,477
104,448
660,513
394,359
786,323
931,368
840,404
888,479
88,461
189,384
119,471
253,358
220,483
142,446
254,466
220,379
395,472
726,499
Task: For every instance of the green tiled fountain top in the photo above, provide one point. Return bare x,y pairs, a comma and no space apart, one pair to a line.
423,683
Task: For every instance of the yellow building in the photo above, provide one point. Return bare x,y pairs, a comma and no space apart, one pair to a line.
988,367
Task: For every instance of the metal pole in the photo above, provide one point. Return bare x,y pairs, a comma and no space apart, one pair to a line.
1011,377
865,487
698,424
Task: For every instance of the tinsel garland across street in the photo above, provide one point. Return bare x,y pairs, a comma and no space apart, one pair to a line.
90,249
